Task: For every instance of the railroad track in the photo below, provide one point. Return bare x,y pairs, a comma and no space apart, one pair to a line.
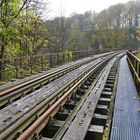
13,126
93,121
14,92
75,124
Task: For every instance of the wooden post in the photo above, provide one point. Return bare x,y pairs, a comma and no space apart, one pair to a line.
63,57
42,63
68,57
30,64
16,67
58,59
1,64
50,60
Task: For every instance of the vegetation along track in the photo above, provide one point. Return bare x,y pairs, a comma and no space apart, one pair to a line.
22,113
16,91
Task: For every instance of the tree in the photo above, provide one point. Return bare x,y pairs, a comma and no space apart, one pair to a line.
9,11
22,29
59,30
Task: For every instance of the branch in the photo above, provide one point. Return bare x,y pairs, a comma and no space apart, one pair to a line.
19,11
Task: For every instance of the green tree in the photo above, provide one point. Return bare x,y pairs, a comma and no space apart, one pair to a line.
9,11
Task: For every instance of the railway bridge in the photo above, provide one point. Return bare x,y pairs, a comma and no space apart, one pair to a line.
91,97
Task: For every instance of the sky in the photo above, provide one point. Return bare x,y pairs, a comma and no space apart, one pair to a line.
79,6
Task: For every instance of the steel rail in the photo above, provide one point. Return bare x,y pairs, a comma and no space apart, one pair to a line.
30,116
19,85
6,91
81,123
9,94
21,124
42,120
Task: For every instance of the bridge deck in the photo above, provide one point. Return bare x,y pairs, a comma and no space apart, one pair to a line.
126,119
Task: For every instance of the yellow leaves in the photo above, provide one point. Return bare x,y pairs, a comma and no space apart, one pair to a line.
27,27
46,41
6,32
13,49
67,54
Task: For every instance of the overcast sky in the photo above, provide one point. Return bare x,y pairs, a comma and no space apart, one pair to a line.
79,6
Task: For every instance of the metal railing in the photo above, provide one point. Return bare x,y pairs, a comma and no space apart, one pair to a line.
134,65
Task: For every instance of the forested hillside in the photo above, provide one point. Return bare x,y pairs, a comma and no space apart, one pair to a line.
115,27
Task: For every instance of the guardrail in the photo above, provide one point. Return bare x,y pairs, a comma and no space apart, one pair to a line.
21,66
134,65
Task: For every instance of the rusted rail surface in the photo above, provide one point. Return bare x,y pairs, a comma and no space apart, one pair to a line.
134,65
